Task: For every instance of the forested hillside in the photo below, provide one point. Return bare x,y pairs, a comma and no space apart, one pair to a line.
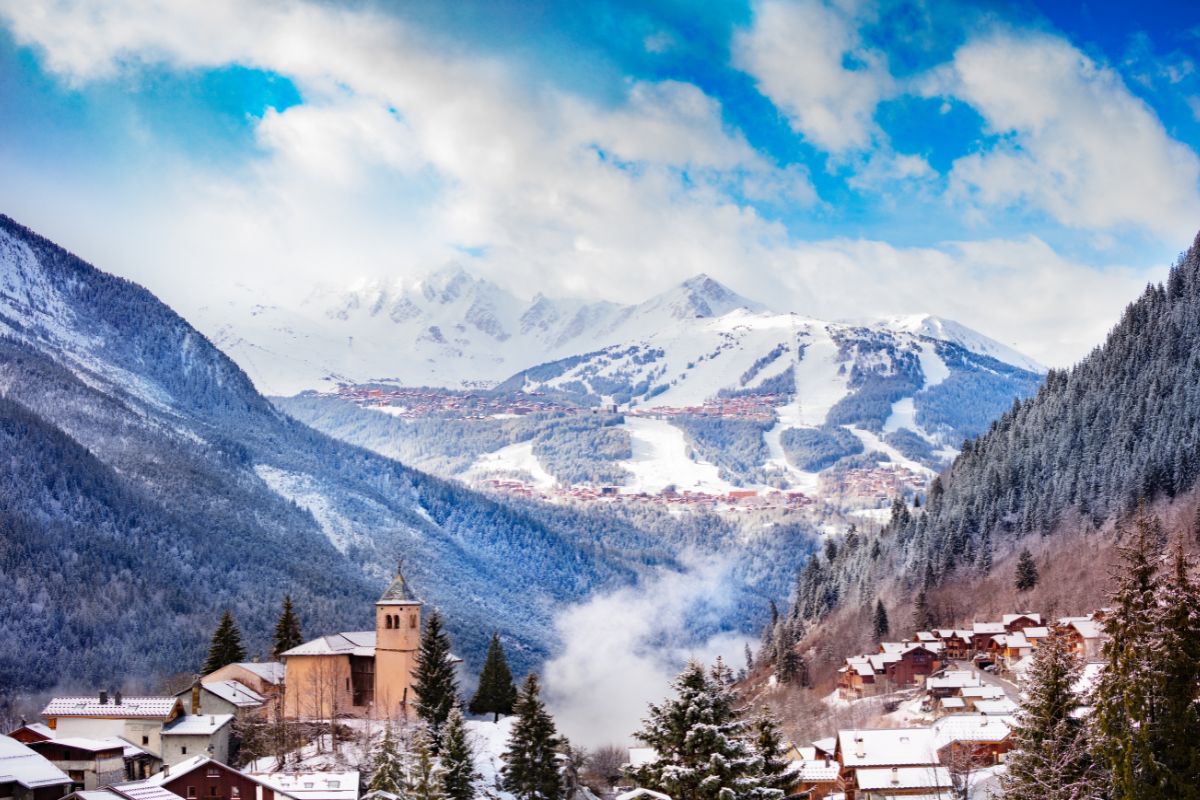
146,486
1119,428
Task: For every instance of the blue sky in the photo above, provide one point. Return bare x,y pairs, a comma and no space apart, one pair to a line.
1022,167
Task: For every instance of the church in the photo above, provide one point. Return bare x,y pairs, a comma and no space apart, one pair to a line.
359,673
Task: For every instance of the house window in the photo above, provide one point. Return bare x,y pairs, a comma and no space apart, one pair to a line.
235,792
212,790
145,740
388,617
412,620
183,750
191,791
213,772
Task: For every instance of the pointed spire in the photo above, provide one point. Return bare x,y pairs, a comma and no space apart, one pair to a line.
398,591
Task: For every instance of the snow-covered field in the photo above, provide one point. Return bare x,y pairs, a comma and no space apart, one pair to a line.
660,459
515,460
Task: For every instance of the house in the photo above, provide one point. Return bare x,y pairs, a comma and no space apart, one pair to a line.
264,678
359,673
956,643
32,732
982,633
27,775
816,778
881,783
974,740
201,778
998,707
1014,623
312,785
221,697
197,734
90,763
856,679
1016,647
871,750
137,720
950,682
1036,635
914,664
125,791
1085,636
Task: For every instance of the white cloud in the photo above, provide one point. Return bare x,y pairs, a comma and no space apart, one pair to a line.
621,650
798,53
1074,141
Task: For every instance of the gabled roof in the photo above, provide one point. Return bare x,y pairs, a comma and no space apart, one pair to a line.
40,728
128,708
398,591
82,743
981,691
234,692
998,707
887,747
970,728
988,627
23,765
141,790
312,785
195,763
1008,619
270,671
818,770
1036,632
351,643
1088,628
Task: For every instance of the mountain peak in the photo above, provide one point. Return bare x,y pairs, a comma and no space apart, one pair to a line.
701,296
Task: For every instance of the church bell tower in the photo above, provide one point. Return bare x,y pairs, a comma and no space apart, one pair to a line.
397,638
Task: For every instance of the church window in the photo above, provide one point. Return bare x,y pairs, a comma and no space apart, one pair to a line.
412,620
388,618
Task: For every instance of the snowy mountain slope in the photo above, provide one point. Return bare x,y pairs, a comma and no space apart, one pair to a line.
147,485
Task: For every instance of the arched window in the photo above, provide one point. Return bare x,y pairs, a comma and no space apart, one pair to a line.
388,618
396,621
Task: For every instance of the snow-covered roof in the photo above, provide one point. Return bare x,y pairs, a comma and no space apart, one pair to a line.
861,665
887,747
312,785
40,728
98,794
826,745
879,661
129,707
953,702
234,692
982,692
399,592
1088,628
197,725
23,765
270,671
143,790
988,627
353,643
1039,632
926,636
1017,641
194,763
970,728
951,633
884,778
1009,619
817,770
633,794
996,708
90,745
954,679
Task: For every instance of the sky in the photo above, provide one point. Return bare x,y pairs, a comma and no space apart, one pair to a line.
1022,167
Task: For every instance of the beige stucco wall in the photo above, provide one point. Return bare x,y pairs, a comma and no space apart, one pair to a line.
395,658
318,687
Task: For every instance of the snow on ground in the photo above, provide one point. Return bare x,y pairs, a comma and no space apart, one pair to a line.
877,515
904,411
660,459
872,442
819,386
790,416
306,492
515,459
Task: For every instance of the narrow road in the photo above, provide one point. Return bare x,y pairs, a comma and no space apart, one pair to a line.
1010,689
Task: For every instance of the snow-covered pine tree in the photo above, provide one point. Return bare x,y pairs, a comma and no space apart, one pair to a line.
226,646
1174,654
387,767
1027,573
496,693
425,776
1050,758
531,761
922,615
771,771
459,778
700,740
435,683
1123,697
881,627
287,630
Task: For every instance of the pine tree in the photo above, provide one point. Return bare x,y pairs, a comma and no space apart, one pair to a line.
531,760
1027,573
459,777
226,647
922,615
496,693
1174,654
1123,697
1050,759
771,771
881,628
1196,525
434,681
787,660
287,630
388,767
700,741
425,778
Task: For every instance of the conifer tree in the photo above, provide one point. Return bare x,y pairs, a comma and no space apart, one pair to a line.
226,647
425,778
1123,697
531,761
787,660
434,681
388,767
700,741
881,627
1174,654
771,770
1050,759
1027,573
287,630
459,777
922,615
496,693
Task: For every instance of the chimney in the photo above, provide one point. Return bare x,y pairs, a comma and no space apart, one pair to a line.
895,776
166,770
103,697
196,696
859,750
117,697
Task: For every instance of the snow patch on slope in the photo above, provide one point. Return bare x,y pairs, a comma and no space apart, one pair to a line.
306,492
513,461
660,459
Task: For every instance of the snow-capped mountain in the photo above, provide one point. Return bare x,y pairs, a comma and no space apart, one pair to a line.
454,330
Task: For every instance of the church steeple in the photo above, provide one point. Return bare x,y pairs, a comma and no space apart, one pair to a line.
398,591
397,637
